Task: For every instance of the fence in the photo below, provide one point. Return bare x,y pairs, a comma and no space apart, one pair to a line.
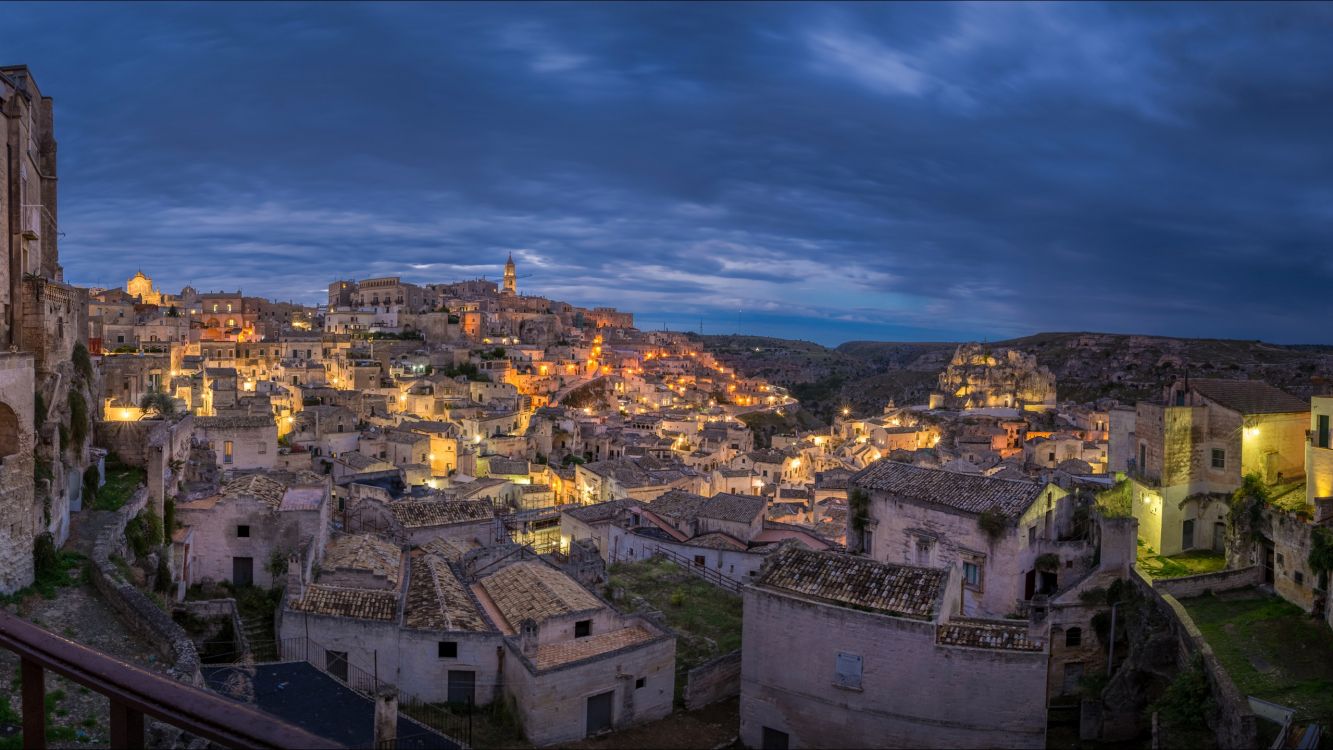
715,577
453,720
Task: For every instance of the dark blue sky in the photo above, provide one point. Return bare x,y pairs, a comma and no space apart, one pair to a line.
918,171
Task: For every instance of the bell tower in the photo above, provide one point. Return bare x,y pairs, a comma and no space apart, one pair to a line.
511,277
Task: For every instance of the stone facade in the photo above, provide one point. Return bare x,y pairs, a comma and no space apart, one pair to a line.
1000,695
18,522
978,377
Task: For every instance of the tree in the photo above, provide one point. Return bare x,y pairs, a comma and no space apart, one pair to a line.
158,402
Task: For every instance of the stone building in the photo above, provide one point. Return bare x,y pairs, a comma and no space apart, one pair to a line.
883,660
1193,447
254,525
241,443
996,530
978,377
46,401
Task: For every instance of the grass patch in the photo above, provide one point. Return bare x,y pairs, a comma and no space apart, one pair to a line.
707,618
1271,649
64,571
121,482
1191,563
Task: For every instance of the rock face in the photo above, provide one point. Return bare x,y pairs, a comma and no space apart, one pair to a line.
979,377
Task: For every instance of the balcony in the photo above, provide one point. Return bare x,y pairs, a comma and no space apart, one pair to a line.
135,693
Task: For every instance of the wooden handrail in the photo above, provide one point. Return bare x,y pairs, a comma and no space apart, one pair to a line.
133,692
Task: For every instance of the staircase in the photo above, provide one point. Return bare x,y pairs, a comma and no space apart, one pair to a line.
261,642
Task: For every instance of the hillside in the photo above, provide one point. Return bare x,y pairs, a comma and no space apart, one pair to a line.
863,375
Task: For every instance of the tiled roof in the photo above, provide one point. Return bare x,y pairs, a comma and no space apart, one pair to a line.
364,552
234,423
510,466
417,513
444,548
437,601
598,512
362,604
533,590
567,652
996,634
726,506
970,493
258,486
841,579
1248,396
717,540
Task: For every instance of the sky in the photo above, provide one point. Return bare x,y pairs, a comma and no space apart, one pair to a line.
823,171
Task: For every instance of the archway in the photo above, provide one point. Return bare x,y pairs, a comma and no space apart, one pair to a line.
9,432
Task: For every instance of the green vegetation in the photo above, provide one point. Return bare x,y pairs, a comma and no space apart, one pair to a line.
158,402
766,424
706,618
53,569
467,369
1191,563
1188,698
78,417
1246,513
144,532
1117,502
1271,649
121,482
993,521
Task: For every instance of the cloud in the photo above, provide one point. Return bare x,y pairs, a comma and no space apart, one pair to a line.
843,171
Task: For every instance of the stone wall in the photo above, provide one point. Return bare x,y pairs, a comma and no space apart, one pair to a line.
17,454
222,609
1233,721
127,440
1223,580
139,613
713,681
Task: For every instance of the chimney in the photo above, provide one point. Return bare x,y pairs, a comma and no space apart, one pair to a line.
386,718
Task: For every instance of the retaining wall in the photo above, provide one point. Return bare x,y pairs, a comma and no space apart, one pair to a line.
1198,585
139,613
713,681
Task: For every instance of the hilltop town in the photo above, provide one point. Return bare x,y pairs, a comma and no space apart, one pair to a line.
460,513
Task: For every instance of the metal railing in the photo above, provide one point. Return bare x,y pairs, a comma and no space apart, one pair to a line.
134,693
715,577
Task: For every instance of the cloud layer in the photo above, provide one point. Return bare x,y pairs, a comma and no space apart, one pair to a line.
831,172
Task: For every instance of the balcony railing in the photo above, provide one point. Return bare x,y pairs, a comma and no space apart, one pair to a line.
135,693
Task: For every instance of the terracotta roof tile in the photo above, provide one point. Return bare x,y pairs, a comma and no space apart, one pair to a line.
969,493
418,513
901,590
566,652
533,590
996,634
337,601
437,601
364,552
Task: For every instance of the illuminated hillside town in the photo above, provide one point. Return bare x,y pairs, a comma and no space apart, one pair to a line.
444,509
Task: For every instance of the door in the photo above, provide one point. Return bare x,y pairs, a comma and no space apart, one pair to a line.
1219,538
1268,563
1030,584
1073,673
1321,432
599,713
243,571
774,739
1187,535
335,663
462,686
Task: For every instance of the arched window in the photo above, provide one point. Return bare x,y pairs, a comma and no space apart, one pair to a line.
1074,636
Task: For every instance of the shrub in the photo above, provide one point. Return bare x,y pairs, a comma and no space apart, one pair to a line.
78,417
168,520
83,364
678,598
38,410
1189,697
162,581
993,522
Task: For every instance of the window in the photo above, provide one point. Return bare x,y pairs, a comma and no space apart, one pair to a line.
1299,577
447,649
640,683
263,449
1074,636
1219,458
922,551
226,452
972,574
699,561
1050,456
1032,535
1321,431
243,531
847,671
583,628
